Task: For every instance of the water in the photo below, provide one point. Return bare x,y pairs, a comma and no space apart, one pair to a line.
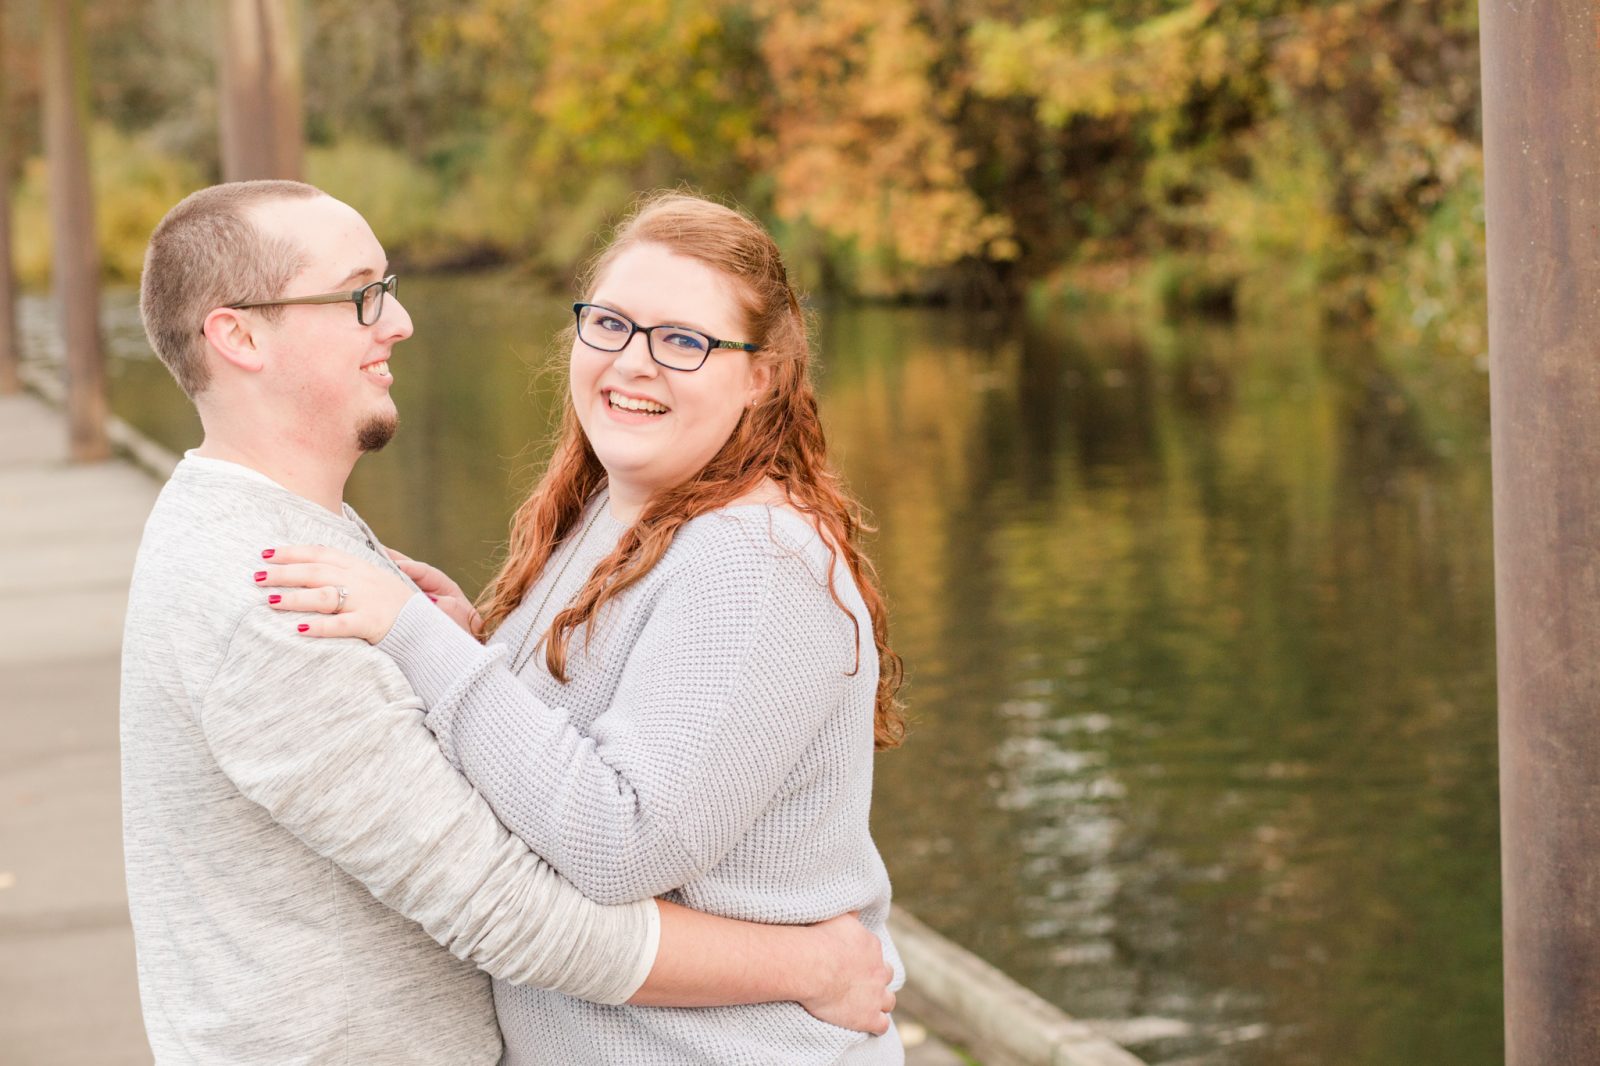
1199,631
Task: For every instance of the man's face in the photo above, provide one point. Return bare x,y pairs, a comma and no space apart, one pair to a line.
326,376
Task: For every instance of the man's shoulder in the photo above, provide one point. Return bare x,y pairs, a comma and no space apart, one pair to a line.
210,529
205,522
193,601
202,544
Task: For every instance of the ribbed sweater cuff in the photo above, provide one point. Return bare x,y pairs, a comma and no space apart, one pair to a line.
431,650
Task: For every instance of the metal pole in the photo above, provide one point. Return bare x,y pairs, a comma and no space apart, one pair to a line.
1541,104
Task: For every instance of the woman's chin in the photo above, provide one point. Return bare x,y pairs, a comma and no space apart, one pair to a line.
625,466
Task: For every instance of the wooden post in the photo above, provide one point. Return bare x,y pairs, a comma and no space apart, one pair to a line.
10,353
262,113
75,258
1541,96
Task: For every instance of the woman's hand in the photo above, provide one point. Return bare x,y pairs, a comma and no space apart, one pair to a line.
441,590
311,576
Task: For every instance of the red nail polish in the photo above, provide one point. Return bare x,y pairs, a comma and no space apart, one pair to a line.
269,553
303,627
274,598
261,575
435,599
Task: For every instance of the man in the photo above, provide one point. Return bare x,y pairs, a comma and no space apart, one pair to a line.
297,847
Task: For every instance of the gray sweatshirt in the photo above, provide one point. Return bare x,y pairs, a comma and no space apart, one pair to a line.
297,846
713,746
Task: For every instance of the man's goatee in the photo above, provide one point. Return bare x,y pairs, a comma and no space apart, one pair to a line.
376,432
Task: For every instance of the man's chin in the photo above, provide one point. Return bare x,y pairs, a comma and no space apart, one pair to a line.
376,431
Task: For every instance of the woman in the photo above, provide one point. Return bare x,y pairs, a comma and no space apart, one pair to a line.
687,669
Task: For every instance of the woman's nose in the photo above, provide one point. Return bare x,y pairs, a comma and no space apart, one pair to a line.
635,356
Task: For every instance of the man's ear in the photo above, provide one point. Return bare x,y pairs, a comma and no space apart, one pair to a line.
230,336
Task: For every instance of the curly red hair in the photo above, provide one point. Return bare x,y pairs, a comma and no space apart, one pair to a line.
780,438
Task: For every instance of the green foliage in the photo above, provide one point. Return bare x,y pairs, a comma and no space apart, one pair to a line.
1271,230
401,199
1292,154
1434,295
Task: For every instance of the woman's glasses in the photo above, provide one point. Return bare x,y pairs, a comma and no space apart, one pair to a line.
674,347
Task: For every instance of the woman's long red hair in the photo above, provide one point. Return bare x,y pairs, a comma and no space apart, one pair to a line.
780,438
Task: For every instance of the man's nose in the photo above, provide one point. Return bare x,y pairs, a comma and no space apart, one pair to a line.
395,322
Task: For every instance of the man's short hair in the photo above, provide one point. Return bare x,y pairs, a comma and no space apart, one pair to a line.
207,254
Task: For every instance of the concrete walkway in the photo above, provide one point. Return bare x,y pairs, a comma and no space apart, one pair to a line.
68,535
67,539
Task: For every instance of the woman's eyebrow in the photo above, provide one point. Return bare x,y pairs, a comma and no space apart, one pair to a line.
612,306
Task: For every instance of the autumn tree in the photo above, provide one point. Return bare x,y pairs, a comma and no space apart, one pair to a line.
864,143
898,148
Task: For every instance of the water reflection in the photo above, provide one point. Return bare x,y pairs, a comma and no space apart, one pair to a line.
1199,635
1201,646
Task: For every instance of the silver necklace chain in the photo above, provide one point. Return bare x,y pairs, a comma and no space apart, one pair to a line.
533,625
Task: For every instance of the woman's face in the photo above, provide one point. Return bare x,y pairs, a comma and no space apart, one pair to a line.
690,414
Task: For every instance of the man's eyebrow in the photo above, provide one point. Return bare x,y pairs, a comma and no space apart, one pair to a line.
356,275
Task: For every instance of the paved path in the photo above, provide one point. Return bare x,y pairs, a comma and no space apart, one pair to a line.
67,540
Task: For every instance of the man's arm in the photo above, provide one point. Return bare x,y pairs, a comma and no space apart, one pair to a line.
834,969
328,738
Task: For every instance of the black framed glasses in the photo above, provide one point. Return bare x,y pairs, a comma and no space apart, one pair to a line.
368,299
674,347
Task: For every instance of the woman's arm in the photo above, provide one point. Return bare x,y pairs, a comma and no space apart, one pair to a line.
742,658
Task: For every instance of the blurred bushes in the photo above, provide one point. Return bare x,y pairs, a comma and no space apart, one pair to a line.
1246,157
135,183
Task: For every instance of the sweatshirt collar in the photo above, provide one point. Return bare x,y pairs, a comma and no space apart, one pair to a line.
203,468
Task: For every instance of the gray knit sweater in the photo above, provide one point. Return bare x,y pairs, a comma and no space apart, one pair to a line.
273,785
712,746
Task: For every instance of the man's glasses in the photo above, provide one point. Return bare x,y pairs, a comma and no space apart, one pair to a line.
674,347
368,299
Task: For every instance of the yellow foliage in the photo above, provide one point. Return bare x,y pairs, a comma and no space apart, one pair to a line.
1097,69
135,183
863,141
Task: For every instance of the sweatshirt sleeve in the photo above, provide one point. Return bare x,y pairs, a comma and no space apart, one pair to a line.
743,657
326,736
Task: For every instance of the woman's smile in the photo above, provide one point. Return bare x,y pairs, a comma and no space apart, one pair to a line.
625,406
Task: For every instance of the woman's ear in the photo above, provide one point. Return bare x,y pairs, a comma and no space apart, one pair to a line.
760,383
228,332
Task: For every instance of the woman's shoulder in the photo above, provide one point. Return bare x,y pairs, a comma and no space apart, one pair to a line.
756,539
758,525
